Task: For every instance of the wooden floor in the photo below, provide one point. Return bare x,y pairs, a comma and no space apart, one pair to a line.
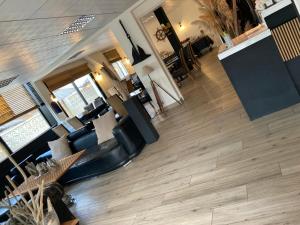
211,166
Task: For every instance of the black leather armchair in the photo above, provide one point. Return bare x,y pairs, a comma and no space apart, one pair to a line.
108,156
127,135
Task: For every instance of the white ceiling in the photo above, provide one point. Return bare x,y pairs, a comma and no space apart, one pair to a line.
107,40
30,30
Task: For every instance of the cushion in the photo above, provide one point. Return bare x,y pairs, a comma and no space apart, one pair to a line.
60,148
75,123
60,130
104,126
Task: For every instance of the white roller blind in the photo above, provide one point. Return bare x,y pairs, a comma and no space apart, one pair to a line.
18,100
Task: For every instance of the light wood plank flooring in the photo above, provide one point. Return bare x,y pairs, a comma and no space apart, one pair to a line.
211,166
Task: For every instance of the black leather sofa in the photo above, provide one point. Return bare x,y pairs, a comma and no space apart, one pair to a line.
201,44
103,158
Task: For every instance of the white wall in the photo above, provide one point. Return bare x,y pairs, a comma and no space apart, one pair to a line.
133,25
297,3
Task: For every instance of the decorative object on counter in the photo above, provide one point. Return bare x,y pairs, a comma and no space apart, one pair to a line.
138,53
264,4
230,16
27,212
148,70
51,217
216,15
228,40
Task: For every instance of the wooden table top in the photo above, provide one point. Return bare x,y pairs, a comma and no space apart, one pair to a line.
71,222
52,176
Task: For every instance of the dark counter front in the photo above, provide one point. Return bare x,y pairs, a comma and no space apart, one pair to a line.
261,79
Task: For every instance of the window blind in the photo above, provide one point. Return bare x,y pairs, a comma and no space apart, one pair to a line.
5,111
112,55
18,100
61,79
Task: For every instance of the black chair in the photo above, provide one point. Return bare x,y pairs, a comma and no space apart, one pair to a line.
100,109
201,44
182,70
190,54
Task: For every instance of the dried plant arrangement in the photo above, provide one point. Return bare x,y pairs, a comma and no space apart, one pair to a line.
216,14
27,212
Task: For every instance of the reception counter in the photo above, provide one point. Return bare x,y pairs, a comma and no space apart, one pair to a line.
258,72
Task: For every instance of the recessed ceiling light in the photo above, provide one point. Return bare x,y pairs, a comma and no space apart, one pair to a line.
78,24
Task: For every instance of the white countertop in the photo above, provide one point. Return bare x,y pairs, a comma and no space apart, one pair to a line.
245,40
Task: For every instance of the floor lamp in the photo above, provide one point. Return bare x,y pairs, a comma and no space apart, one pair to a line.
148,70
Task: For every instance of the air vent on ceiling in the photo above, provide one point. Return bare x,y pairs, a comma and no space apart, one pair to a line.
78,24
75,55
6,82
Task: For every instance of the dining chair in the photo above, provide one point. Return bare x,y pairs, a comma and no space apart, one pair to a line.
193,56
185,64
117,104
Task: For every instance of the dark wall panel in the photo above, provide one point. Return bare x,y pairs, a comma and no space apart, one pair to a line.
261,79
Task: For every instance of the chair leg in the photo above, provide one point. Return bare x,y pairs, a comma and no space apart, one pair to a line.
197,64
191,76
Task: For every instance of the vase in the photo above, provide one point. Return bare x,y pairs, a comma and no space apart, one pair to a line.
227,40
51,217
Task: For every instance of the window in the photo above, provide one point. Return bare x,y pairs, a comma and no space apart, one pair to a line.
88,88
22,130
26,122
75,96
120,69
70,99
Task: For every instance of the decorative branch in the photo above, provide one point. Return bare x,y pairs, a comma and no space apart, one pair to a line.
30,212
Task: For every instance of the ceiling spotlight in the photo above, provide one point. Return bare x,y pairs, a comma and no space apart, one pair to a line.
78,24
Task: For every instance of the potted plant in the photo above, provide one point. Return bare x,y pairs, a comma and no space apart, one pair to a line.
27,212
216,14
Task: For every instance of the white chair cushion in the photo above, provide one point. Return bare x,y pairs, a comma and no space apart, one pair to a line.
104,126
60,148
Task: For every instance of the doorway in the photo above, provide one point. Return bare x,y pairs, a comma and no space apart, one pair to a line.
181,52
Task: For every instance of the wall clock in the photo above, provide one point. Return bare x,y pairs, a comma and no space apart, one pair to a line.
160,34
